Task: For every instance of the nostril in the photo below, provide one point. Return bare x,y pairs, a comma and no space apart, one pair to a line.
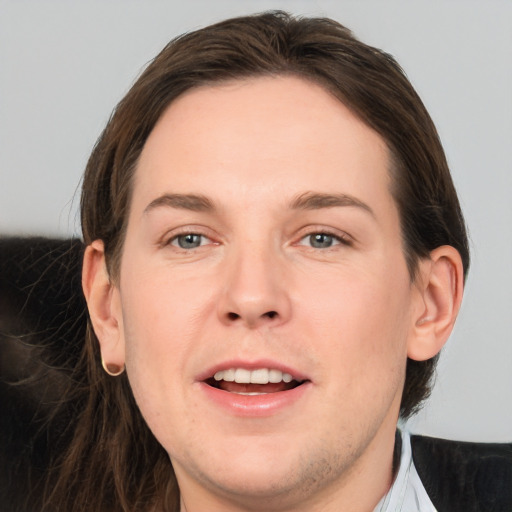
269,314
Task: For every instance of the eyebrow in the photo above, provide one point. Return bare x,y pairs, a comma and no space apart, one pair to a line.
305,201
192,202
317,201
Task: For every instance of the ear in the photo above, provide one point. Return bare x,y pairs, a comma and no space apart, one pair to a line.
440,285
103,302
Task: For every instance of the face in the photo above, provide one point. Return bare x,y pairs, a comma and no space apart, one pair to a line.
264,300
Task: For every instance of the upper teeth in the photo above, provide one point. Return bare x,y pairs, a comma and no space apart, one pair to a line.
259,376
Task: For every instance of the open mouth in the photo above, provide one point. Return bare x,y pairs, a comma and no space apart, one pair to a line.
253,382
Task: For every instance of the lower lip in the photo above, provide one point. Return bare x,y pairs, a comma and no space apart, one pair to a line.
254,405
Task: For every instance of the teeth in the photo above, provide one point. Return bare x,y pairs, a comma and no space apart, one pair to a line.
259,376
229,375
275,376
242,376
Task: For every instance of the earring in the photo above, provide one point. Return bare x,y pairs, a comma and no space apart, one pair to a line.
112,369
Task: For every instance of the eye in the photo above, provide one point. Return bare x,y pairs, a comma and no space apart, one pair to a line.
189,241
322,240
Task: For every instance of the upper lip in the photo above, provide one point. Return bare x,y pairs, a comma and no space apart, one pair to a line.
252,365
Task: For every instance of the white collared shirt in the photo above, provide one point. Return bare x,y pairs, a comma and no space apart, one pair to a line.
407,493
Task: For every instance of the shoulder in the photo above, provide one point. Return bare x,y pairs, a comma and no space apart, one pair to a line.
462,476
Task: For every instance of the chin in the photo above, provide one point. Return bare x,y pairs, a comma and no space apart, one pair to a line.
265,487
263,467
269,474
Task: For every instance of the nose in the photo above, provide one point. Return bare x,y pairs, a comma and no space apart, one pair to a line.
255,292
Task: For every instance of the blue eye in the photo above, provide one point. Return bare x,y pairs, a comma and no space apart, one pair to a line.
188,241
322,240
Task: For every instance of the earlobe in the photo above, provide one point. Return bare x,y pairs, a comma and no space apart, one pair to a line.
440,285
102,298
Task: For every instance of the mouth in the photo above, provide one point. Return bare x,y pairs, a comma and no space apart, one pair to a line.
255,382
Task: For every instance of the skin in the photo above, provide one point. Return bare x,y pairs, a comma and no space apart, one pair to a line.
346,314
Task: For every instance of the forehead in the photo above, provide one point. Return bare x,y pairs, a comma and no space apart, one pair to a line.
261,135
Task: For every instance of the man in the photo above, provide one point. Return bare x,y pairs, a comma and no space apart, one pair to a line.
276,256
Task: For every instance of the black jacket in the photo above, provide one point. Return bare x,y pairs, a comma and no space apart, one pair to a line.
464,477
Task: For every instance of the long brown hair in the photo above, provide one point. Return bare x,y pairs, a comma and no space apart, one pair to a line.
114,463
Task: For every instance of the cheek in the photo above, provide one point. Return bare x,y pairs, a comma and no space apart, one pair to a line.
361,322
161,318
167,320
158,335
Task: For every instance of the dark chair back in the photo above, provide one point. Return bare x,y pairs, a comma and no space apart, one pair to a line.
42,328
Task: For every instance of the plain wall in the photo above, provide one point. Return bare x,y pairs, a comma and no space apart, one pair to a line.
64,66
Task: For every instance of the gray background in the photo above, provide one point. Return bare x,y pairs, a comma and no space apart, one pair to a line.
64,65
